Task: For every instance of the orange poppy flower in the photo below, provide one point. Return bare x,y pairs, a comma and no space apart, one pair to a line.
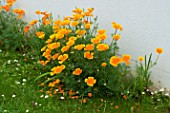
77,16
10,1
39,33
114,61
57,70
65,22
46,22
38,12
77,71
140,58
90,9
77,10
80,32
65,48
79,47
74,23
87,26
70,43
72,38
89,47
51,84
33,22
57,81
6,8
62,58
102,47
43,63
159,50
54,45
90,94
26,29
88,55
55,56
116,107
48,41
125,97
104,64
95,40
117,26
90,81
116,37
101,31
102,36
126,58
88,13
71,92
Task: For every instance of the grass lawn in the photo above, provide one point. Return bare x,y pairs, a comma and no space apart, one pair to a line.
19,93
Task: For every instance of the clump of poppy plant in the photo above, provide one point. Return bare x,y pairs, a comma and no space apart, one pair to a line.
12,35
75,54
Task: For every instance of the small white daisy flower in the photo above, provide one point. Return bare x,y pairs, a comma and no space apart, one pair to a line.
0,50
104,84
13,96
39,104
62,98
2,95
161,90
15,60
143,93
166,94
152,93
36,103
155,92
27,111
42,96
5,110
9,62
158,100
56,89
24,80
128,92
17,82
18,65
147,89
46,96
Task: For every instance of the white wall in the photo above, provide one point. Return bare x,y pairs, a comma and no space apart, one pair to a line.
146,25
